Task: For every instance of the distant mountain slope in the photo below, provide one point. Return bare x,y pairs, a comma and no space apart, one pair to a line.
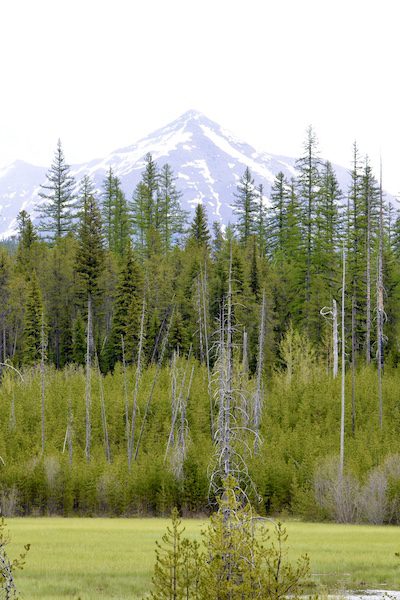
207,160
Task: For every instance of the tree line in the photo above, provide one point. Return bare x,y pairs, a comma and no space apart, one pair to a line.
132,339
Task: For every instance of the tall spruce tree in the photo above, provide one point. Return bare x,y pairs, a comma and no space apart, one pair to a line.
127,310
172,218
309,182
89,261
56,212
33,322
199,232
245,206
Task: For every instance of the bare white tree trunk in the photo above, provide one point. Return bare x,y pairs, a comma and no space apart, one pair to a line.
380,306
103,413
353,365
138,375
335,339
258,395
125,383
88,390
204,294
42,380
343,399
158,369
368,278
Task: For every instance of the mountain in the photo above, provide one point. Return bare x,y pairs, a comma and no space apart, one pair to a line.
207,160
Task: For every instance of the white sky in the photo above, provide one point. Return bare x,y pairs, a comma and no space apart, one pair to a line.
101,74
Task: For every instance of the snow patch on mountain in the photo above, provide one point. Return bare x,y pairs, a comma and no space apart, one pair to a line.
207,160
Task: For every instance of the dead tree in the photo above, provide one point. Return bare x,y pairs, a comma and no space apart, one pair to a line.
42,381
168,319
125,385
138,376
343,398
332,314
103,413
231,434
204,296
380,305
368,273
88,388
259,391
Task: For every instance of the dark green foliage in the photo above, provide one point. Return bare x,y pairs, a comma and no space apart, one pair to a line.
127,310
89,261
199,231
33,322
245,206
56,213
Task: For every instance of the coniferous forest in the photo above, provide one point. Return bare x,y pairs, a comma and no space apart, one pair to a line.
124,324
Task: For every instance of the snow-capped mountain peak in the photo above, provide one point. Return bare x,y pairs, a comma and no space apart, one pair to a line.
207,160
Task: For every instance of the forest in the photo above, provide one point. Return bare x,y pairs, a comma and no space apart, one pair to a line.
125,325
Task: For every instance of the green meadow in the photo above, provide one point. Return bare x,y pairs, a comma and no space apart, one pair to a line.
104,559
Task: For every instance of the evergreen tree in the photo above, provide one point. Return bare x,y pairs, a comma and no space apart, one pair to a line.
90,253
56,213
145,208
280,193
261,221
171,217
127,310
308,189
245,206
199,231
33,322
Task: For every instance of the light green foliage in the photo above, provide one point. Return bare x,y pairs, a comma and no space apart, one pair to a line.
240,560
8,589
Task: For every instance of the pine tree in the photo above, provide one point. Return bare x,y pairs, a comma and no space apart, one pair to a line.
27,237
199,231
308,189
261,222
33,322
89,262
171,219
245,207
127,310
56,213
145,208
280,193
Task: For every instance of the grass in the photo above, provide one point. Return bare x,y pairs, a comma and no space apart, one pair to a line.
104,559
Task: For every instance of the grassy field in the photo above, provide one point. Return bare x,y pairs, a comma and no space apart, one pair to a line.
99,559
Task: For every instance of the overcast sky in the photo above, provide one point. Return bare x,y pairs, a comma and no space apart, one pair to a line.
102,74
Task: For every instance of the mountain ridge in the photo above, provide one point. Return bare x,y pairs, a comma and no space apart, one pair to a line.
207,160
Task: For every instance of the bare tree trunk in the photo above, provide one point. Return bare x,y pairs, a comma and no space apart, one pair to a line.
158,369
138,375
88,390
103,413
343,400
260,362
368,323
226,440
353,365
199,317
125,382
380,307
245,359
335,339
42,380
207,350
